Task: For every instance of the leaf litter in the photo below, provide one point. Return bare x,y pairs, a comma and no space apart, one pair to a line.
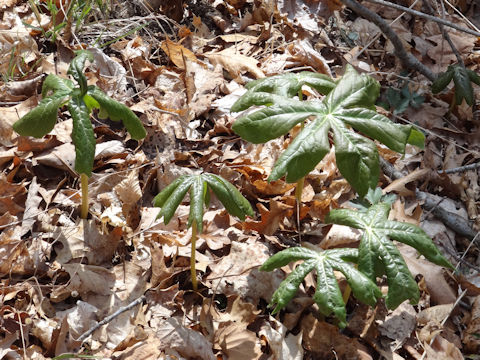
181,73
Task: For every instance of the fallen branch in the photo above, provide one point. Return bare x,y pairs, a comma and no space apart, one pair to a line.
455,222
109,318
445,34
462,168
408,60
425,16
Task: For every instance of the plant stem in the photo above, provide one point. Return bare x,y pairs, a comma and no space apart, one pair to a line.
84,187
192,256
300,184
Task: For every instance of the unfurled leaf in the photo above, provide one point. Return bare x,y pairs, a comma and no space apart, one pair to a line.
117,111
462,78
286,85
327,294
473,76
82,134
442,80
171,196
41,120
57,85
350,105
463,87
377,251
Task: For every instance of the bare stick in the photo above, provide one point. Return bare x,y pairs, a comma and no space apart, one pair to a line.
462,168
408,60
455,222
445,34
109,318
425,16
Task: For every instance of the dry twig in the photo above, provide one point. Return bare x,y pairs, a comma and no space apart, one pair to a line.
425,16
408,60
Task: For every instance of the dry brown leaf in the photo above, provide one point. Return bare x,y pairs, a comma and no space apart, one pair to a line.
90,278
303,52
171,334
470,336
270,218
236,64
442,349
439,289
340,235
399,184
237,342
321,338
238,274
399,324
178,53
283,346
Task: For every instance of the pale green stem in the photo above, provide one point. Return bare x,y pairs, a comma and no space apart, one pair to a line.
84,187
192,256
300,184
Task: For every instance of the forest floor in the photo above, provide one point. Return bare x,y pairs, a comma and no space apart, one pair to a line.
180,66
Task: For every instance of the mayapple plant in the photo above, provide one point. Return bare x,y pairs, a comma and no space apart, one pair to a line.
172,195
376,255
80,101
462,78
347,113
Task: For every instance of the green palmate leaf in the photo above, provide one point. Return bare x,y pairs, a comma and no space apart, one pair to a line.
171,197
56,85
76,69
262,91
229,196
463,86
349,105
41,120
473,76
197,197
327,294
442,80
377,251
117,111
82,134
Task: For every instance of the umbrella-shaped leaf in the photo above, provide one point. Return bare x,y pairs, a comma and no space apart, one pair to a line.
377,251
172,195
349,106
327,294
264,91
117,111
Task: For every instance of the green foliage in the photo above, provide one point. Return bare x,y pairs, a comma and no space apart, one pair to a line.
462,78
80,100
172,195
376,255
379,255
349,104
327,294
400,99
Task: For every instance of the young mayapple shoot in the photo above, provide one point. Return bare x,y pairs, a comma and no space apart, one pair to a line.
462,78
80,101
349,106
198,185
346,115
376,255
